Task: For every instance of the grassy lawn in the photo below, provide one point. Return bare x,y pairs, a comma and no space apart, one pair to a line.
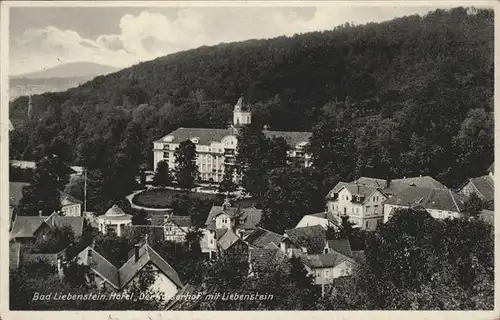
162,198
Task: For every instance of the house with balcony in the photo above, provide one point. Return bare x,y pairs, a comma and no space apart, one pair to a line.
221,219
176,227
216,148
440,203
362,204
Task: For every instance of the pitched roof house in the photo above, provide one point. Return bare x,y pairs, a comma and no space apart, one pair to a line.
265,259
297,241
393,186
106,276
262,238
440,203
30,227
362,204
483,186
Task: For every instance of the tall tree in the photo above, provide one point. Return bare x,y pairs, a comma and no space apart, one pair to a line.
43,194
162,175
186,170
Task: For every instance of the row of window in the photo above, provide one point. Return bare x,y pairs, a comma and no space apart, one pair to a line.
343,272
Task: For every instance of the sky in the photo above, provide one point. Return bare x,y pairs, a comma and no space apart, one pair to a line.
41,38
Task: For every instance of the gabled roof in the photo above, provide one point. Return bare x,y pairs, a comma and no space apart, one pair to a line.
437,199
250,217
341,246
261,238
484,187
299,235
220,232
147,255
26,226
100,265
58,221
227,240
355,189
398,185
325,260
262,259
157,233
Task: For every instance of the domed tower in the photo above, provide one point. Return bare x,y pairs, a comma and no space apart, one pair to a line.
241,114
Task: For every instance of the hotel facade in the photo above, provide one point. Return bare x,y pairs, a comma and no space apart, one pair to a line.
216,148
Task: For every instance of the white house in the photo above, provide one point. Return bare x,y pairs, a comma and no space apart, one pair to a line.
362,204
440,203
106,277
70,206
216,148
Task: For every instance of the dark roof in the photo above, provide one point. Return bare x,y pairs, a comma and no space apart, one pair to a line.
16,192
342,246
398,185
488,216
262,259
250,216
58,221
261,238
484,186
299,235
206,136
147,255
437,199
183,222
325,260
26,226
492,168
100,266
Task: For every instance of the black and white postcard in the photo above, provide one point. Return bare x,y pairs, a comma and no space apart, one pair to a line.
164,157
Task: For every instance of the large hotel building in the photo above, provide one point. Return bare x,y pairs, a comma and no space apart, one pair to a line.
216,148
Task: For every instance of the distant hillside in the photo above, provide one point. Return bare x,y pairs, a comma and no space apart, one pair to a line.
69,70
22,86
417,76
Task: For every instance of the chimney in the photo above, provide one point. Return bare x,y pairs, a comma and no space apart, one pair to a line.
40,213
146,238
90,253
136,252
387,182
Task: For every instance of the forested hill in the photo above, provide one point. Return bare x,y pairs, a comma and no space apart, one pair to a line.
425,73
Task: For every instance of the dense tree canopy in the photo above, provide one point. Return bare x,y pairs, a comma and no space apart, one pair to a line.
399,98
